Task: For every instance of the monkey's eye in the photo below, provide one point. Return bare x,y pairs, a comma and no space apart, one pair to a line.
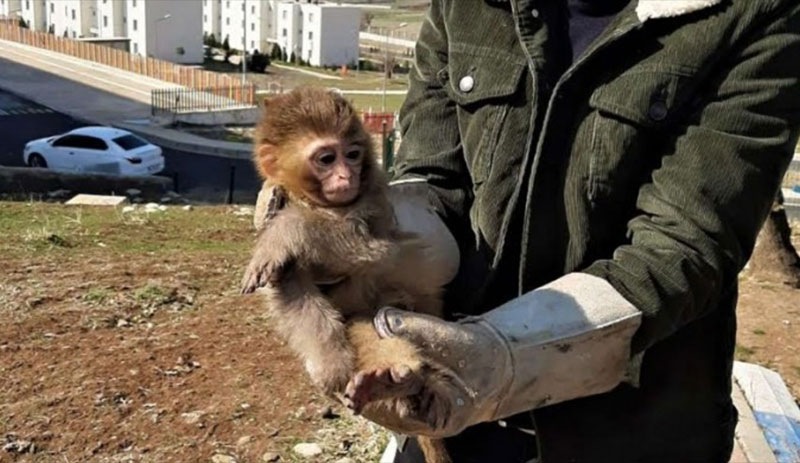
353,155
326,158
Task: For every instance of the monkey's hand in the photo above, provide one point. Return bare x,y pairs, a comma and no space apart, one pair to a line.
265,269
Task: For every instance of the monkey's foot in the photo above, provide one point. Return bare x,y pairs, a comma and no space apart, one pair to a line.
380,384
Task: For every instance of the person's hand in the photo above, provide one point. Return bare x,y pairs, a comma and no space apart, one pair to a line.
568,339
468,370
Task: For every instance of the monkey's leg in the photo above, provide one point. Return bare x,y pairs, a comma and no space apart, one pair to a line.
386,368
434,450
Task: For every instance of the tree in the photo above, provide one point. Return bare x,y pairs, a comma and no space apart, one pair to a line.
257,62
22,23
212,40
275,53
293,58
366,20
774,257
284,56
226,47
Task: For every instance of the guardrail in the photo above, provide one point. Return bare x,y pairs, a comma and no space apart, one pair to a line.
185,100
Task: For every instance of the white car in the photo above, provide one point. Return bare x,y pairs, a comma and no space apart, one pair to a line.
96,150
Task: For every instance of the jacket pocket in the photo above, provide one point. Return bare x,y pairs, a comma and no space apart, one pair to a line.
633,115
481,83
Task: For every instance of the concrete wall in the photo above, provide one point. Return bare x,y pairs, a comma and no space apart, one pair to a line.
244,116
23,182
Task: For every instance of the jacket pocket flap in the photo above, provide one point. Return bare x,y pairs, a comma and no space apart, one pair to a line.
645,97
479,75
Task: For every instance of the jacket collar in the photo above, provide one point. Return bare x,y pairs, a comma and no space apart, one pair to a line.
654,9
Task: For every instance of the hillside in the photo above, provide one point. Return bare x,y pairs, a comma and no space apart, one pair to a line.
124,339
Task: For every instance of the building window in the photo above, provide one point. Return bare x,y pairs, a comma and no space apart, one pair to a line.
205,18
133,3
310,17
27,4
135,25
284,14
284,33
253,9
105,21
52,8
252,26
135,48
228,21
252,44
73,14
228,4
310,35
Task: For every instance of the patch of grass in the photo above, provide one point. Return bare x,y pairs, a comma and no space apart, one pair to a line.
97,296
759,332
154,295
374,102
744,353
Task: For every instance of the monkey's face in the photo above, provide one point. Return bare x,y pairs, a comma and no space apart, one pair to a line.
336,165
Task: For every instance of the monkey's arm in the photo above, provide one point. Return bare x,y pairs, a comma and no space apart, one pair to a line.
314,329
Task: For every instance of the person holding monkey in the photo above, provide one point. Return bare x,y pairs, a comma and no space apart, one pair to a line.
605,167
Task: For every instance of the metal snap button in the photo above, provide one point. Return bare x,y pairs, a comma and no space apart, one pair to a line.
466,84
658,111
535,13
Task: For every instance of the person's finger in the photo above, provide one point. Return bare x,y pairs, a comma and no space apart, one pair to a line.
440,340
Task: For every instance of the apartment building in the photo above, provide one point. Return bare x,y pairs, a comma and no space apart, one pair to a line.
33,12
10,9
71,18
171,30
322,34
212,17
110,20
247,24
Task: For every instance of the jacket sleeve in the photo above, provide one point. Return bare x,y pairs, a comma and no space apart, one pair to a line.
431,147
702,211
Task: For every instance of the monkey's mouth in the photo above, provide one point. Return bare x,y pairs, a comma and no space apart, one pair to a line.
341,195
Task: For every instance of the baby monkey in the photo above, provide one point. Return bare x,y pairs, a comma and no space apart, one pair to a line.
330,255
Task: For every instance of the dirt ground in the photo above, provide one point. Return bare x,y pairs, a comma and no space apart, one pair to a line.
125,340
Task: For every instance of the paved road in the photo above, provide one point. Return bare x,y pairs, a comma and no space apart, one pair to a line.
199,177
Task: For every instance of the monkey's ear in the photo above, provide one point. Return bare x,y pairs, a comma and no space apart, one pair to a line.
268,159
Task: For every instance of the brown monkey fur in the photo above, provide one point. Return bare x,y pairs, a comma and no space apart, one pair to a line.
328,266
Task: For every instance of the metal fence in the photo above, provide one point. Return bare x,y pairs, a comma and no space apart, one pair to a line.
185,100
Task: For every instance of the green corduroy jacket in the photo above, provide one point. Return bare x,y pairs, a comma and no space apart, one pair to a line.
651,162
